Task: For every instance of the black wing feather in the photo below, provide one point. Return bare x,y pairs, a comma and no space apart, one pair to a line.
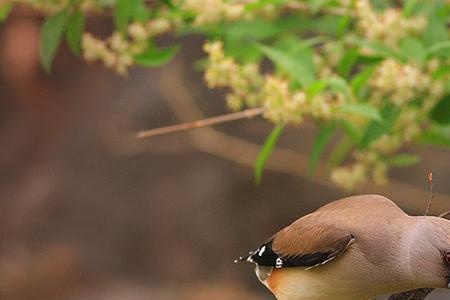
265,256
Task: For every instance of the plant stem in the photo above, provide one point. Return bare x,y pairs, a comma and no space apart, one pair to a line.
248,113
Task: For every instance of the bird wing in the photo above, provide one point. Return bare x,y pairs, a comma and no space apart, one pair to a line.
302,244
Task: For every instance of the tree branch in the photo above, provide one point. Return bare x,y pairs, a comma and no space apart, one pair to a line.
248,113
282,160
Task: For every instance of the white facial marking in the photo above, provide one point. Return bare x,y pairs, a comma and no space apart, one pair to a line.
278,263
261,251
448,285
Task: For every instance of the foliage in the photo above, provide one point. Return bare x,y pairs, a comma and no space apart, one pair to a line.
266,151
374,75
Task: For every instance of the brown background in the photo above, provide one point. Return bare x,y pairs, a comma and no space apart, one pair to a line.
88,212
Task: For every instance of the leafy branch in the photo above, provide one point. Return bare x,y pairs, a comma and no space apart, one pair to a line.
373,77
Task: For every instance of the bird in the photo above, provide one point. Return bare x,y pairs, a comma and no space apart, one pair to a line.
354,248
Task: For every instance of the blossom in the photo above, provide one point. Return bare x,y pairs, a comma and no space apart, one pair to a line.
349,177
388,26
281,105
400,82
244,81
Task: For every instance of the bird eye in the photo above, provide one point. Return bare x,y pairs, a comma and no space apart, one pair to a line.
447,257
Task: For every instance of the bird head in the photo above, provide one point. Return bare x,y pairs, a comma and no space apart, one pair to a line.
431,258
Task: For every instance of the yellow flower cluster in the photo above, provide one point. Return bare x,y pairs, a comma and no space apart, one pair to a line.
349,177
401,83
244,81
250,88
117,51
405,130
369,163
408,124
212,11
387,143
388,26
323,105
412,88
372,162
286,106
281,105
114,52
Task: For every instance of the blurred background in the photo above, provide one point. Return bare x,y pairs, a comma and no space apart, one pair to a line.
89,212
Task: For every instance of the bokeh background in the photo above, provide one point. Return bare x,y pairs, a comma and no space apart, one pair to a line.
89,212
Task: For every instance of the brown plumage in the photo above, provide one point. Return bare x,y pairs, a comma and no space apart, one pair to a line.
355,248
304,237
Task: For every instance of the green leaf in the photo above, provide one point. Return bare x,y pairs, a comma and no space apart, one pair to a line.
155,57
252,30
379,49
293,67
261,4
362,109
233,48
141,12
343,25
441,112
305,57
351,131
298,45
438,47
348,61
340,151
435,136
440,72
168,3
326,24
338,84
266,151
403,160
376,129
335,83
52,31
248,32
361,79
409,7
436,30
75,29
315,88
317,5
5,9
413,49
124,12
323,137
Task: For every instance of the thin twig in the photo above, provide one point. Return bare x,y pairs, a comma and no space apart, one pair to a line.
430,180
245,114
